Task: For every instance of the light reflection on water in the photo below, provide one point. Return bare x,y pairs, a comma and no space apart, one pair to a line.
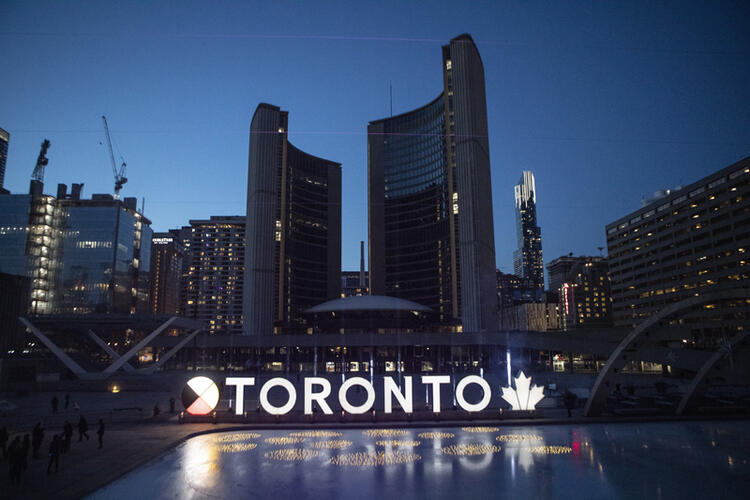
664,460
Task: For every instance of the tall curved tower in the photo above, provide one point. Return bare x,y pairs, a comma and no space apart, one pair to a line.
293,233
430,199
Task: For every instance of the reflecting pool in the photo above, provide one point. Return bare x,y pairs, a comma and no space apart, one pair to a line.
651,460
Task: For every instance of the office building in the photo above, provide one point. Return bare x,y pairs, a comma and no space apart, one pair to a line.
431,233
215,273
293,254
583,288
530,317
106,256
4,140
354,283
527,259
513,290
694,240
166,273
82,256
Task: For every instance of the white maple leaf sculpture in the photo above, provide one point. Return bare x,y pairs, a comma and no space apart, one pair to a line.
523,398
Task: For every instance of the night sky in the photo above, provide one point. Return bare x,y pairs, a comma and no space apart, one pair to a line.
605,102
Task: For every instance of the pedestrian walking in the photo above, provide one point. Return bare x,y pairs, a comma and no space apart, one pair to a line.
569,399
100,432
15,460
25,447
83,429
67,401
171,405
54,453
4,441
37,436
67,437
54,404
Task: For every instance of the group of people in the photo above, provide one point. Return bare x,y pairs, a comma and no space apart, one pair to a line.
17,453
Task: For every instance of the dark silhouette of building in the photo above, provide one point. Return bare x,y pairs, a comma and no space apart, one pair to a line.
513,290
430,222
693,240
4,140
354,283
14,302
527,259
166,273
214,288
293,253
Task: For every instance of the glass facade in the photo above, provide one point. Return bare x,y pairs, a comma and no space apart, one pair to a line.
305,234
106,262
30,244
418,208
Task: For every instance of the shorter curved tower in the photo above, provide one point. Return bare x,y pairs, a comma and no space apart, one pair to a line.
293,234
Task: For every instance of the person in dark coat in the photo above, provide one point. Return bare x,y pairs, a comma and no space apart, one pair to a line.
4,441
37,436
67,401
15,460
569,399
67,437
171,405
25,447
100,432
54,453
54,404
83,429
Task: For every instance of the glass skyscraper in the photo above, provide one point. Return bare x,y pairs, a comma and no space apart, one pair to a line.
106,249
527,259
430,199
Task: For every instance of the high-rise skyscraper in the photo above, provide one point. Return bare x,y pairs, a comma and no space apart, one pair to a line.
4,140
293,252
215,268
430,199
527,259
166,273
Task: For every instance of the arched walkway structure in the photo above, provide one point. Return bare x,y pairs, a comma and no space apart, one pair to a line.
626,351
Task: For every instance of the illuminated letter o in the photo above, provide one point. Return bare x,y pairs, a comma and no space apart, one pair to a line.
473,379
278,410
356,410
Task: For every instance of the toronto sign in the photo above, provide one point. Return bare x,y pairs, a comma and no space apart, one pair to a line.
201,394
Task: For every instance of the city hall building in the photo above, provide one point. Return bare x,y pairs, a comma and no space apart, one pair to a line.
293,250
430,199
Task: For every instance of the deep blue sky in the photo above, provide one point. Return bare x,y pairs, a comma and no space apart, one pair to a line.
605,102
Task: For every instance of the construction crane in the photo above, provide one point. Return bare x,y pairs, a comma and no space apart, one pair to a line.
41,162
120,178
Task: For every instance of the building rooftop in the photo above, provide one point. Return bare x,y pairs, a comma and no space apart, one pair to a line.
368,303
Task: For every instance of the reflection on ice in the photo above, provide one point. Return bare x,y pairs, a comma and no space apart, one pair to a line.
600,461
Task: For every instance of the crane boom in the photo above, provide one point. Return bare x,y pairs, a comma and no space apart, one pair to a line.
120,178
41,162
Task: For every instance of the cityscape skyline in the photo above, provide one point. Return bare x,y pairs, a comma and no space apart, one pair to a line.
669,64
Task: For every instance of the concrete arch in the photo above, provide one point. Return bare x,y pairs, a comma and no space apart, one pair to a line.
634,340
